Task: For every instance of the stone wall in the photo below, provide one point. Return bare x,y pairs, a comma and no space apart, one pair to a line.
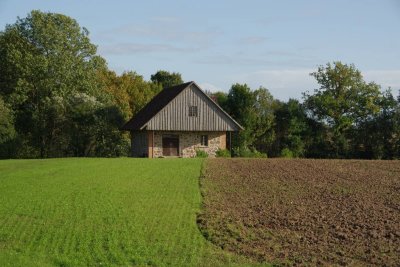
189,142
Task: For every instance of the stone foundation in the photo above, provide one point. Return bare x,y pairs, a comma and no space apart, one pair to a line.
189,142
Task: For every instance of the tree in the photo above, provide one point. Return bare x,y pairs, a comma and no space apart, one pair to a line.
44,58
291,126
113,85
263,128
166,79
93,128
343,101
379,136
240,105
221,98
7,131
254,111
140,92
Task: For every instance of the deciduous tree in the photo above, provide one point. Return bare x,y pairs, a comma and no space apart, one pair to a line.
7,131
343,101
44,58
291,128
166,79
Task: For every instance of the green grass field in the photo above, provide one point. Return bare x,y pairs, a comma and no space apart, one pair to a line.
103,212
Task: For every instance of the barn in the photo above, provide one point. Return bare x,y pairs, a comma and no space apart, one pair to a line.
179,121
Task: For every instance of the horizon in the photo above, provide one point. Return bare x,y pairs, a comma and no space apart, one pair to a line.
268,44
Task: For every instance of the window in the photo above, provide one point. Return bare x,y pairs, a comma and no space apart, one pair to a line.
192,111
204,140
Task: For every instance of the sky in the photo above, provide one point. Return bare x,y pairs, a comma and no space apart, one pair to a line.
274,44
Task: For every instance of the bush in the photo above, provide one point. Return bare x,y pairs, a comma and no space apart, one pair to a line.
245,152
223,153
287,153
201,154
258,154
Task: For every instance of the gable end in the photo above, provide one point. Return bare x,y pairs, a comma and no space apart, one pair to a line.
175,116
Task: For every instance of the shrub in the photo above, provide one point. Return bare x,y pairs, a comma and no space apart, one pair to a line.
245,152
223,153
258,154
287,153
201,154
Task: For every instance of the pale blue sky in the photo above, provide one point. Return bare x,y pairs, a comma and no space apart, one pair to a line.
274,44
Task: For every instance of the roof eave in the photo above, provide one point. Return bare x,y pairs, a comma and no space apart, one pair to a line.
126,127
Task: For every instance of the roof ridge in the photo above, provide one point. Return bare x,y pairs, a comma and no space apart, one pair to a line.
160,101
155,105
178,85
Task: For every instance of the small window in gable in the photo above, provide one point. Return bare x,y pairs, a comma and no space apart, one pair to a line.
204,140
192,111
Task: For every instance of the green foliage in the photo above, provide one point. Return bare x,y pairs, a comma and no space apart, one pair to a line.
221,98
201,154
166,79
379,136
93,128
129,91
343,101
240,102
345,118
140,91
223,153
292,127
57,98
103,212
46,60
115,87
254,111
7,131
245,152
263,129
287,153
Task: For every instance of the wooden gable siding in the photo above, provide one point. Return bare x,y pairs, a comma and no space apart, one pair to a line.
175,116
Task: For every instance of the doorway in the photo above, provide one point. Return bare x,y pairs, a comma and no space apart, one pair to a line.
170,145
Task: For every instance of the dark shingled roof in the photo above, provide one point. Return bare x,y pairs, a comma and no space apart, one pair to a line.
154,106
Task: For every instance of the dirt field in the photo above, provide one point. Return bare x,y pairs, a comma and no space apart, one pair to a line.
304,212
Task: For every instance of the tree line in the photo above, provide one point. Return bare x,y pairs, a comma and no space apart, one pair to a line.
58,99
345,117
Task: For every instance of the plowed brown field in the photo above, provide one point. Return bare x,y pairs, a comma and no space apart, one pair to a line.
304,212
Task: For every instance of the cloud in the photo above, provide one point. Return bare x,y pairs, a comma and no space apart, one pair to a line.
210,87
158,35
385,78
268,58
229,60
165,19
283,84
161,29
134,48
252,40
291,83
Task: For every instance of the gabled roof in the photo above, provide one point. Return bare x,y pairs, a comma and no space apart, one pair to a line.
161,100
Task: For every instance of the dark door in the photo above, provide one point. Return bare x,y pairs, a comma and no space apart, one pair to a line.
170,145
